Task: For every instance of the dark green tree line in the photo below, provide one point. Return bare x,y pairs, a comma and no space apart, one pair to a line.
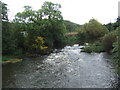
21,35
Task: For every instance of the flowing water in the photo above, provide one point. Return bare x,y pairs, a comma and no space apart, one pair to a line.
65,68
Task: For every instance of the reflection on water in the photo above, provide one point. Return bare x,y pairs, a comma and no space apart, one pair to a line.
68,68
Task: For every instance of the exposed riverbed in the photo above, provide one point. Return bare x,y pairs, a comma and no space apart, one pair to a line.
68,68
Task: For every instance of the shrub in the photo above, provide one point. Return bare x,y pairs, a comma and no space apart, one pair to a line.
93,30
39,44
93,48
108,40
71,40
81,37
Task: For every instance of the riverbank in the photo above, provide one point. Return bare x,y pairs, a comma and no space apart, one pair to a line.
10,59
93,48
6,59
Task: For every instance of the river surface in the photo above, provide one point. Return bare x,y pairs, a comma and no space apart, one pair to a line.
68,68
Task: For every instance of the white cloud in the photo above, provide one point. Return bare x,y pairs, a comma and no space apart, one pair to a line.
78,11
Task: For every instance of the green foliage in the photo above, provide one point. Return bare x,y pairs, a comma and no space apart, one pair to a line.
8,44
4,10
51,10
93,48
108,40
113,42
113,26
47,22
28,15
91,32
110,26
4,58
116,48
94,30
71,27
39,44
58,30
116,56
81,37
71,40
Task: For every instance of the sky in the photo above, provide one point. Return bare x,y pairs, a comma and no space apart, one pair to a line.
77,11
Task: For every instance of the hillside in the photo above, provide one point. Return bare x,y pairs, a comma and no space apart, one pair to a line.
71,27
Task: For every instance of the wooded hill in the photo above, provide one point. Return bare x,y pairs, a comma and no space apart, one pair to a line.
71,27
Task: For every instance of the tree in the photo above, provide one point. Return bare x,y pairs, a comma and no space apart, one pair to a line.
71,27
27,16
94,30
46,22
110,26
55,25
108,40
4,10
58,32
8,45
39,44
81,37
51,10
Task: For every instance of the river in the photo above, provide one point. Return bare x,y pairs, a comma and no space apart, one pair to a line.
65,68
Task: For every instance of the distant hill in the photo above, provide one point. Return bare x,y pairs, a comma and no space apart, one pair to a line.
71,27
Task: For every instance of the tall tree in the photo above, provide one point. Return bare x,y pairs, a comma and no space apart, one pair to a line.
6,33
4,14
46,22
94,30
26,16
51,10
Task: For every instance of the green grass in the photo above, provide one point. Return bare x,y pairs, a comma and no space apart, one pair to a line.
93,48
5,58
10,59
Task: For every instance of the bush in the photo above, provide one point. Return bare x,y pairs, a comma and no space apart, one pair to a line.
39,44
108,40
71,40
93,30
81,37
93,48
116,52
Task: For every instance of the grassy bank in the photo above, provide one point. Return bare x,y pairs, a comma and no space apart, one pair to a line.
10,59
93,48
